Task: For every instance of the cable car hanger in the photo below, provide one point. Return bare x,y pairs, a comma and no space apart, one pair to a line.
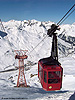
57,25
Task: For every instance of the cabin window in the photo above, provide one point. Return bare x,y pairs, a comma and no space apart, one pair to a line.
40,71
45,76
50,75
54,77
53,81
58,73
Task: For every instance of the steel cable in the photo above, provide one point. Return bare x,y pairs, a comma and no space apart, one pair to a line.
61,21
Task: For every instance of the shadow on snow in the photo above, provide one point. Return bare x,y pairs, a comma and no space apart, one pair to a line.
72,97
27,93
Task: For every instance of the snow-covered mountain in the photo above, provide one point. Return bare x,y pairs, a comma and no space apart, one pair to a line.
27,35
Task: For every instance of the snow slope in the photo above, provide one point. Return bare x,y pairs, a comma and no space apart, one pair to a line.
26,35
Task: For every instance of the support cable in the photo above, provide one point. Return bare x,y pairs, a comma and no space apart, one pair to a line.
61,21
65,15
37,44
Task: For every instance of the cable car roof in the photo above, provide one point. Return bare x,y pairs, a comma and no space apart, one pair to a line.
49,61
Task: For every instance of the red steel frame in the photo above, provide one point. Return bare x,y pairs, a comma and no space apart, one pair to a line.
20,55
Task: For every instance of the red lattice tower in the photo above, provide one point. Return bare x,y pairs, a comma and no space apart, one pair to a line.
20,55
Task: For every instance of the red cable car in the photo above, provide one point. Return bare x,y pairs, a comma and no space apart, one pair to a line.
49,69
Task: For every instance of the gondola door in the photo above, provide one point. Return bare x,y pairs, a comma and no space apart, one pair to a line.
45,85
41,76
40,73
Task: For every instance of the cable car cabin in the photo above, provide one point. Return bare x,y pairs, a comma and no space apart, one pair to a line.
49,69
50,74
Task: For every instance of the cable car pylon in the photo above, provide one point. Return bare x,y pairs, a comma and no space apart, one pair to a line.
2,27
21,55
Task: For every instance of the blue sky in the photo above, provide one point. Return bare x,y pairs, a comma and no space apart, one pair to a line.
41,10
